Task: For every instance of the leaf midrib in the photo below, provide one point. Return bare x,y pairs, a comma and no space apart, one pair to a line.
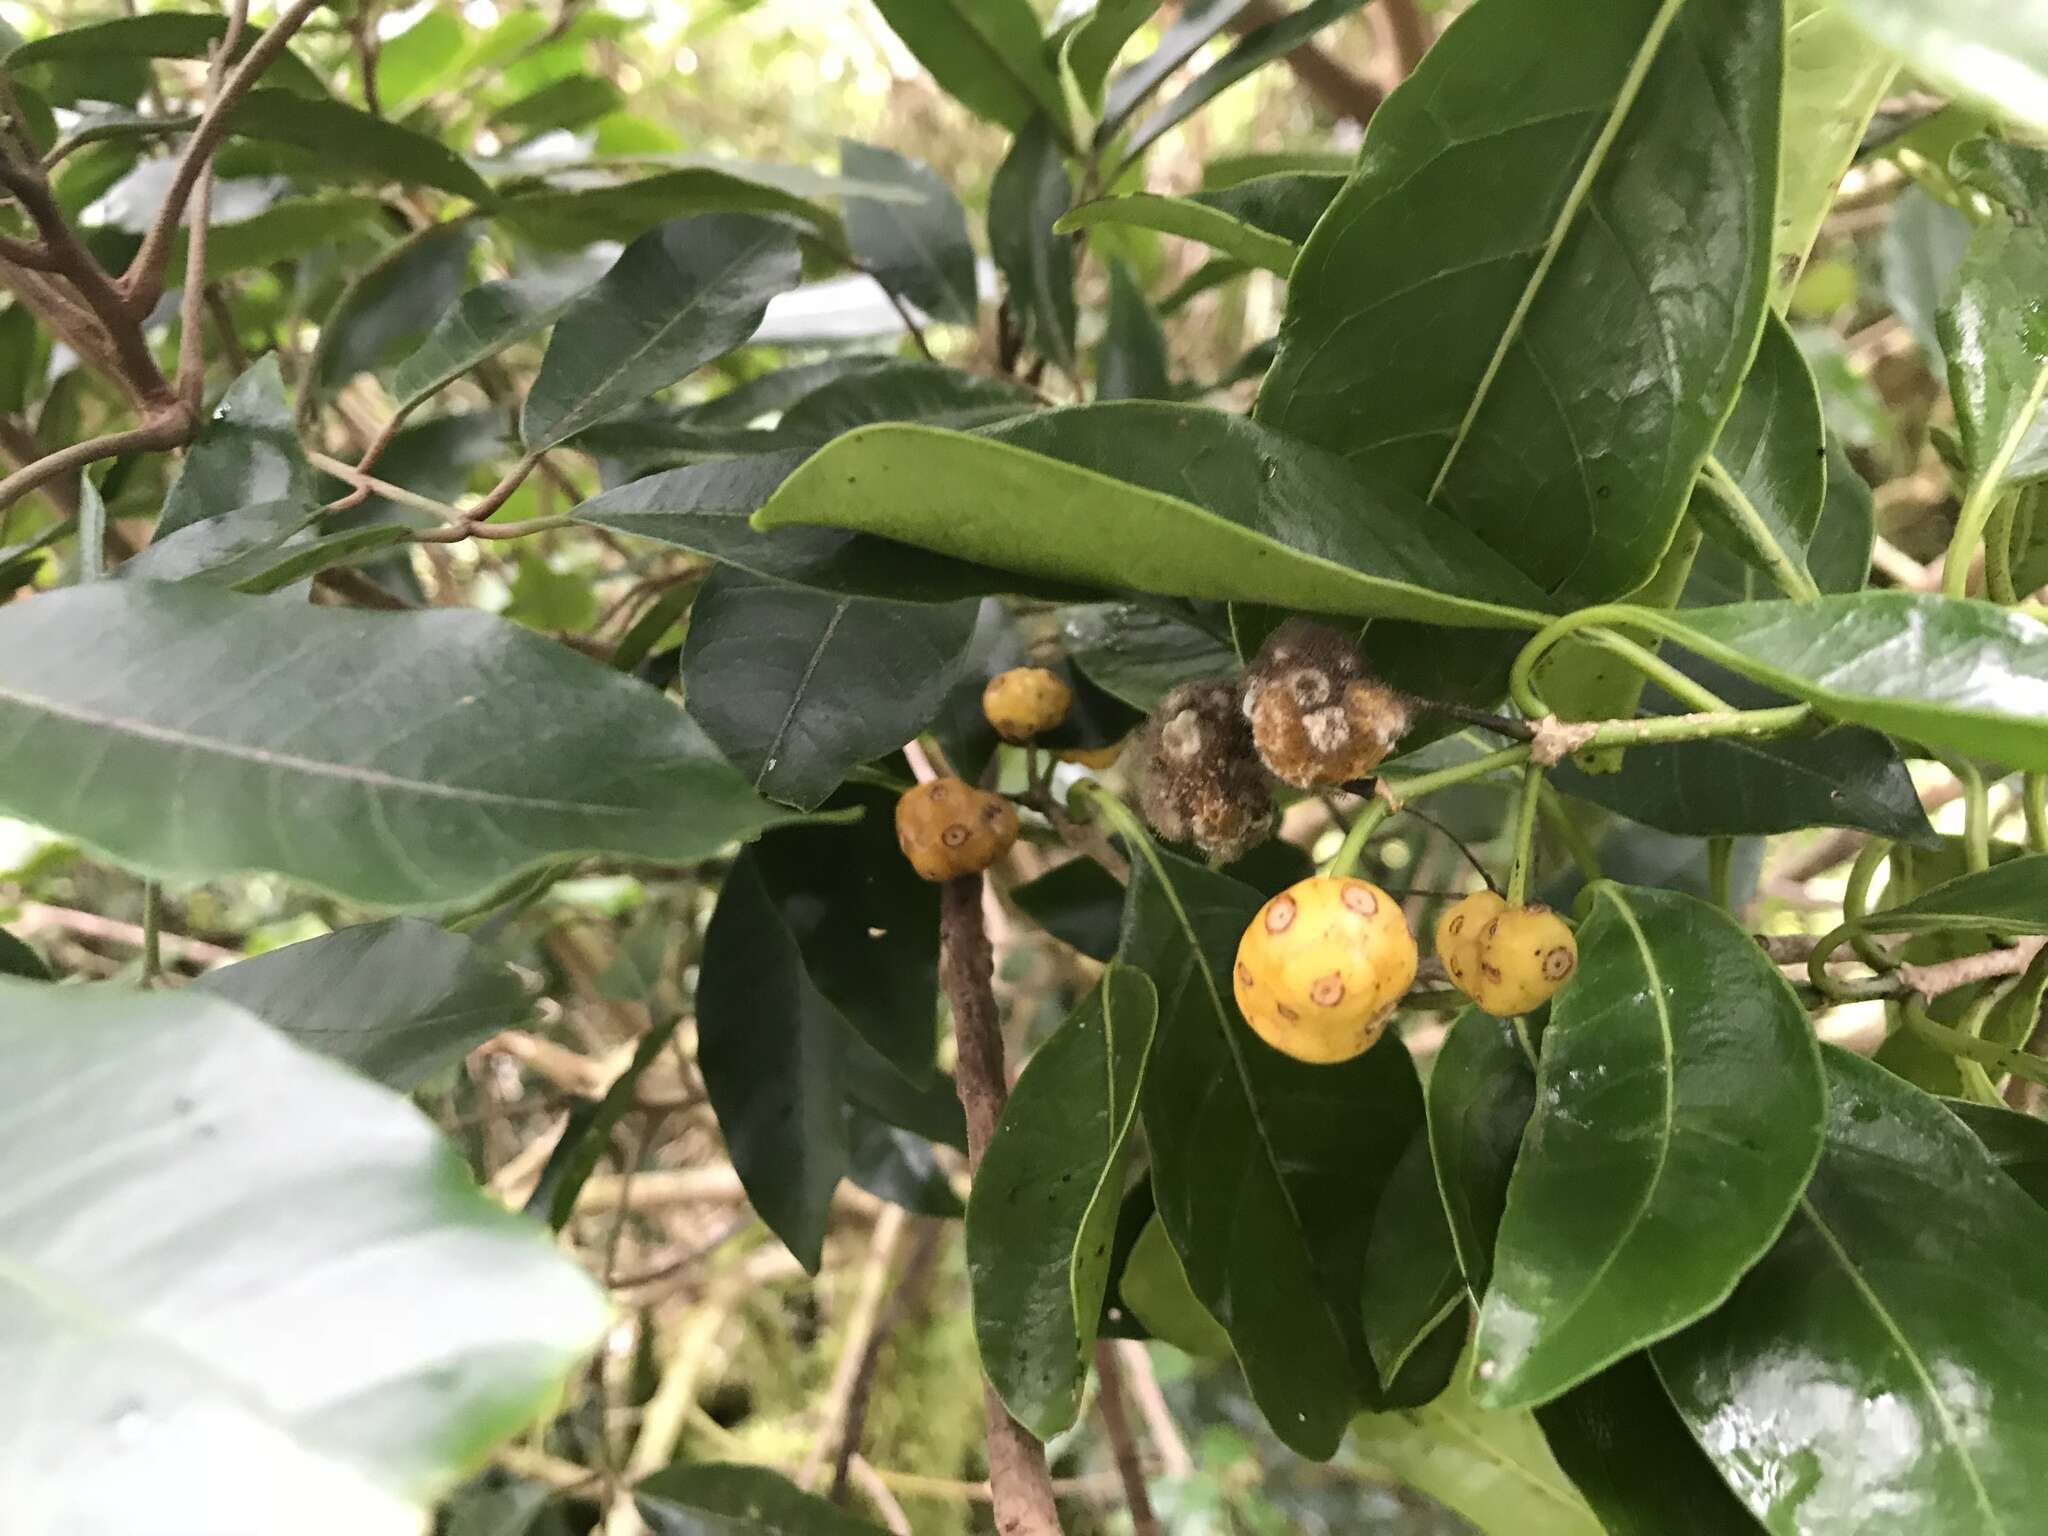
1568,212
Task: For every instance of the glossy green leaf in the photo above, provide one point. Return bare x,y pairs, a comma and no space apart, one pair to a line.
1140,655
238,1188
1951,675
1180,41
481,324
247,453
161,35
1079,903
397,1000
1481,1093
1166,499
352,766
1678,1114
918,249
1763,488
1885,1368
1044,1207
1624,1447
1190,220
903,391
239,549
1130,363
1026,200
1839,556
1412,1280
347,139
387,311
797,686
1091,48
679,296
1155,1287
1266,1170
987,54
1986,50
2017,1142
574,217
1499,313
1834,78
1285,204
2008,899
709,1498
1996,342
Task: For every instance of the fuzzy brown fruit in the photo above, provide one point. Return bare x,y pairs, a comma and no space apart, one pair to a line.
1457,937
1525,955
1321,968
1026,702
1201,780
948,828
1318,715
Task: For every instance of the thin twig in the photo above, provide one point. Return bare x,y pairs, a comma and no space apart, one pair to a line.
860,1329
1123,1446
165,431
39,917
905,1294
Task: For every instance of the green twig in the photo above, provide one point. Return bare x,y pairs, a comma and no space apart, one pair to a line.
1720,860
2034,798
1784,570
152,934
1954,1042
1566,826
1976,813
1520,872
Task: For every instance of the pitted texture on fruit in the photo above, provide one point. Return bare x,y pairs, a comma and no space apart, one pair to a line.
1025,702
1318,716
948,828
1525,955
1457,937
1202,783
1322,966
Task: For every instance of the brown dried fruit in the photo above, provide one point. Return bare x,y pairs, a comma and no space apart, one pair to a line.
1318,716
1202,782
948,828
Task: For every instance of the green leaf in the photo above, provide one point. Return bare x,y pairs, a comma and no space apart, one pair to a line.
387,311
1412,1280
1139,655
419,58
1026,199
1762,491
1267,1170
351,766
1834,79
2009,900
1091,48
1284,204
1079,903
1996,342
346,139
161,35
1678,1114
1623,1445
1986,50
903,391
1839,555
1918,255
1044,1207
572,218
1844,777
917,249
986,54
282,1253
481,324
681,295
2017,1142
1952,675
797,686
1481,1093
1159,498
1190,220
1499,313
569,102
898,1166
17,959
1154,1287
397,1000
1131,362
1191,29
248,452
709,1498
1850,1382
587,1133
285,231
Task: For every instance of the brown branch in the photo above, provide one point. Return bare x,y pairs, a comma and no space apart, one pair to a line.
1336,88
1016,1461
21,448
191,379
1123,1445
27,253
908,1292
167,430
1410,32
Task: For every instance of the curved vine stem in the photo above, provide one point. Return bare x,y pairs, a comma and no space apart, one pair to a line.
1954,1042
2034,798
1520,872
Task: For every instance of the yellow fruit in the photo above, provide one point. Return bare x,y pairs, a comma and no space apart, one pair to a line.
948,828
1025,702
1525,955
1321,967
1097,758
1457,937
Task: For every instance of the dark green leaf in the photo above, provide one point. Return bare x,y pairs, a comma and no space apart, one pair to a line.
1287,206
916,249
1983,49
1130,363
481,324
17,959
1952,675
1194,26
232,549
1267,1170
22,358
772,393
710,1498
1839,556
1922,246
284,232
346,139
986,54
1498,311
1139,655
1678,1114
1159,498
1481,1093
1624,1446
1155,1287
569,102
387,312
1885,1368
397,1000
903,391
797,686
1044,1207
1762,491
1412,1281
1190,220
353,766
1996,341
572,218
2017,1142
247,453
2009,900
241,1189
1025,201
162,35
587,1134
680,295
897,1166
1080,903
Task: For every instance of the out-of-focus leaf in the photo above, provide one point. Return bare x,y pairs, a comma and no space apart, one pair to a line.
161,35
1026,200
708,1498
918,249
1985,50
987,54
390,308
1131,361
1190,220
344,138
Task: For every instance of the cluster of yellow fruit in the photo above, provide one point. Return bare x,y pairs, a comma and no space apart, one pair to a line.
1508,960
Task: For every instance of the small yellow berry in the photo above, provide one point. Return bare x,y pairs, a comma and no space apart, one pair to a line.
1457,936
1321,967
1525,955
1025,702
1097,758
948,828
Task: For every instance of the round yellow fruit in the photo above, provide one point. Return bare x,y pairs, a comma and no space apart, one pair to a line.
1457,936
1525,955
948,828
1025,702
1321,967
